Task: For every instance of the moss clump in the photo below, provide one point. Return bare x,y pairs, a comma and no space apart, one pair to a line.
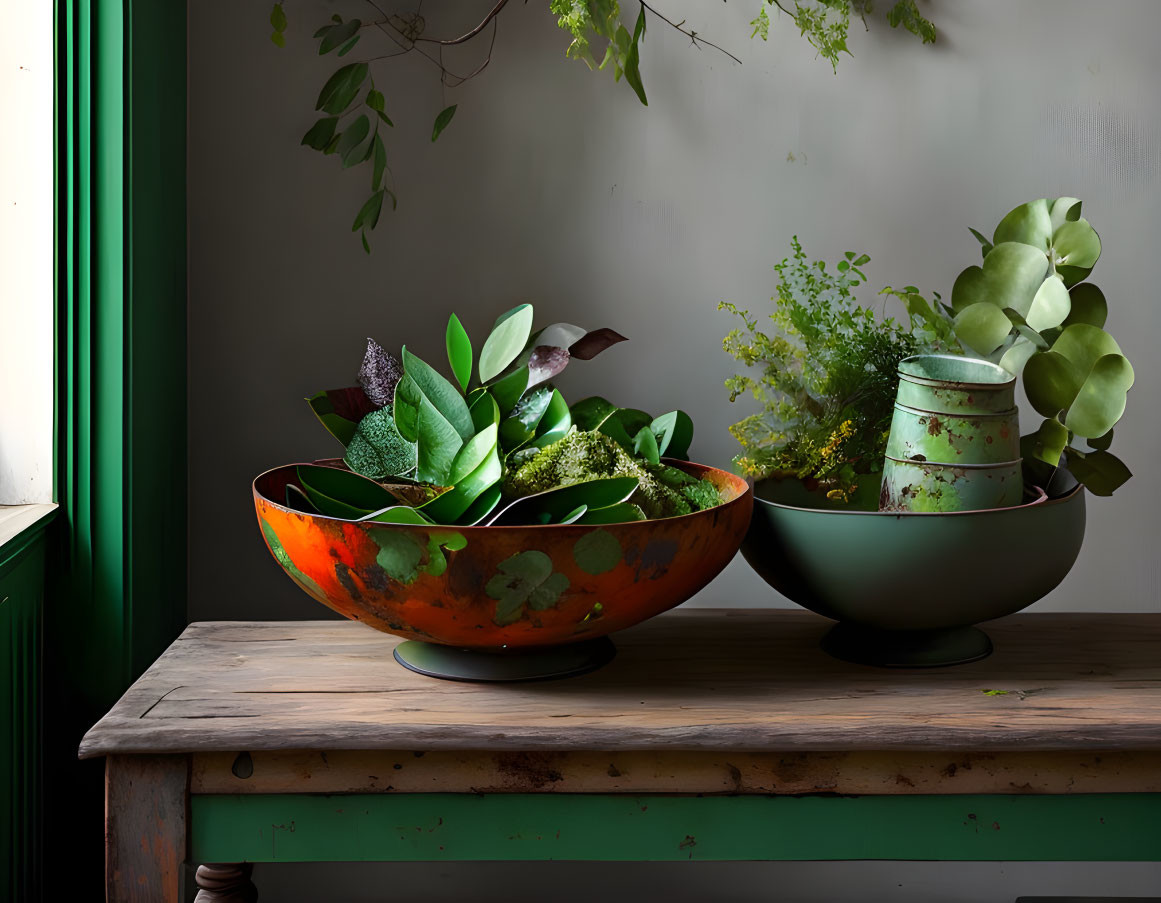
377,450
662,491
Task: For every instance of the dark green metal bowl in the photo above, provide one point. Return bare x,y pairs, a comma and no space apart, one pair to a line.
906,588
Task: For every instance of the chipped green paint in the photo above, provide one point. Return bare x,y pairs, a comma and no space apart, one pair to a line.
597,552
527,578
288,565
401,553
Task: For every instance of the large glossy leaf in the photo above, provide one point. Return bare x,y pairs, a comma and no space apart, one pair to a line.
589,413
1010,277
1101,472
418,420
555,423
459,351
1029,223
483,506
982,326
632,419
508,389
451,505
674,432
551,506
1101,400
1014,359
505,342
1084,345
341,410
399,514
1087,305
441,393
340,493
520,425
483,408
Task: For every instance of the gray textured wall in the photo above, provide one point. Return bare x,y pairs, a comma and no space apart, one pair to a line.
554,185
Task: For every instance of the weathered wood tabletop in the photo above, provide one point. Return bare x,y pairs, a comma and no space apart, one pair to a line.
697,704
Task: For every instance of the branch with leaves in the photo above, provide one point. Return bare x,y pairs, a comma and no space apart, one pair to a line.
354,110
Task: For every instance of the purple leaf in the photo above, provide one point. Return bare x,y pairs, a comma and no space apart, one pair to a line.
591,344
378,374
545,362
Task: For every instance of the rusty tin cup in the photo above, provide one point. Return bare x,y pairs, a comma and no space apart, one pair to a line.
955,437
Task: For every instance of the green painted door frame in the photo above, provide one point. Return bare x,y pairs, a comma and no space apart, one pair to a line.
117,593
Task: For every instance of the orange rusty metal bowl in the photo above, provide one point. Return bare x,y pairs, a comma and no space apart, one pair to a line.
512,587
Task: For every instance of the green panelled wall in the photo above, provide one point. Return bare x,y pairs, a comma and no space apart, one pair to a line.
117,590
22,569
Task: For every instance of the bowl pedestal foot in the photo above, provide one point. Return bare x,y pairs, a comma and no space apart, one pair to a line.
906,648
503,665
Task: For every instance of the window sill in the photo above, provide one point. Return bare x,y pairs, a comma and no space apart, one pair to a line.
17,521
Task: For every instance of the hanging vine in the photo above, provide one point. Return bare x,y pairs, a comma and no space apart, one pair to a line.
354,110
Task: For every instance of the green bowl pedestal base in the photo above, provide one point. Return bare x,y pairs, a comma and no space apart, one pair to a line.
505,665
906,648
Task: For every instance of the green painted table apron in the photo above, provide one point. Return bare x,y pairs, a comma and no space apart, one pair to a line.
713,735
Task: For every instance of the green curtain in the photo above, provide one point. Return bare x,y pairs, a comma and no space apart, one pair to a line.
117,590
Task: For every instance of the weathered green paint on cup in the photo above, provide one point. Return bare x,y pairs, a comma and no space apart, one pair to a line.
951,384
954,438
935,487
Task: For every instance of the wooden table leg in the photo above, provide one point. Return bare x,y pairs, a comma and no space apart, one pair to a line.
225,882
146,812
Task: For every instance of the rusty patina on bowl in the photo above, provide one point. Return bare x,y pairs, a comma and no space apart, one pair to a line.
511,586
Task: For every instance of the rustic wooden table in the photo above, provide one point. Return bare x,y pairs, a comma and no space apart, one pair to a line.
714,735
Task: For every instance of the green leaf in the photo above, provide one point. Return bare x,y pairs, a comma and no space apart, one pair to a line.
674,432
1029,224
1064,210
341,88
340,493
589,413
341,410
483,409
556,503
439,443
347,47
633,60
459,351
1084,345
574,515
476,468
620,513
631,419
508,390
1101,472
1050,305
1010,277
985,245
366,245
1087,305
1014,359
338,35
1046,444
1101,443
555,423
369,213
398,514
1076,245
645,445
983,327
905,13
442,120
380,164
375,100
484,505
348,146
384,117
278,18
1101,400
443,395
319,135
505,342
1051,382
521,424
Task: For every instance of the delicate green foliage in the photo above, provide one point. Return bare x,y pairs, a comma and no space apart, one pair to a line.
459,351
505,342
826,23
442,121
377,450
597,25
1074,373
341,88
338,35
319,135
827,374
